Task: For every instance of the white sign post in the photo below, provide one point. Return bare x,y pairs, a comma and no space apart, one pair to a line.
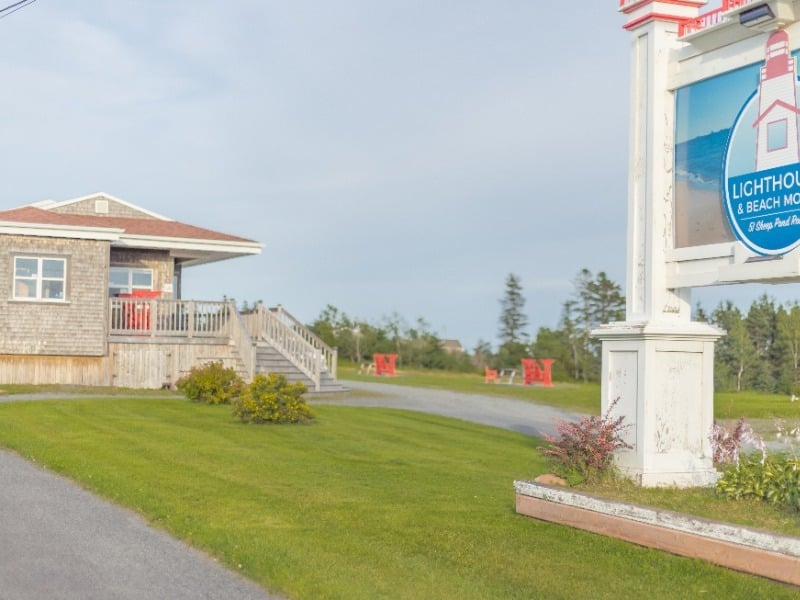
713,199
658,364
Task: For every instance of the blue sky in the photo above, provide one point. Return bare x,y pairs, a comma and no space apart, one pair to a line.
392,156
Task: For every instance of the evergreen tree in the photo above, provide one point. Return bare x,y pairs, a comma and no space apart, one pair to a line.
512,318
762,327
513,339
700,314
596,300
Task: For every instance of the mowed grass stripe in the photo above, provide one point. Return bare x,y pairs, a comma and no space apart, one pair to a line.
363,503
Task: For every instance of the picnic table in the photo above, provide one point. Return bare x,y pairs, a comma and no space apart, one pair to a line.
510,373
496,375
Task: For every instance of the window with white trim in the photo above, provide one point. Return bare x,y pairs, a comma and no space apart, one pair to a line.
124,280
39,278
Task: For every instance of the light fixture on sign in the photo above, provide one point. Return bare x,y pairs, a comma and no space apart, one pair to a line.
758,15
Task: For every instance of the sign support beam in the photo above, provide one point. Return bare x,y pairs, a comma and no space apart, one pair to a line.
657,365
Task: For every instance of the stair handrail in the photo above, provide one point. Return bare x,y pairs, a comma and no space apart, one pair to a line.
291,344
241,338
330,355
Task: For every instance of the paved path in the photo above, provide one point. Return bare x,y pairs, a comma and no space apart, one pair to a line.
516,415
59,542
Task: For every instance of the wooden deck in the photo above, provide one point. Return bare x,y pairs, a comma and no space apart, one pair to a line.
153,342
164,338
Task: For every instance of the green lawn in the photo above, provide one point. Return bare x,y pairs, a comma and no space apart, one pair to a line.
755,405
364,503
24,388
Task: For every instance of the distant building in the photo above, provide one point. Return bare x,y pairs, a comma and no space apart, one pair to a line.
452,347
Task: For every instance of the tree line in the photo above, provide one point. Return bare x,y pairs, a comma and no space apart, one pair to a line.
761,350
596,300
415,343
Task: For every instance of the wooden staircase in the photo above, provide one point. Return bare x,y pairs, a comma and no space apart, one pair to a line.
270,360
273,341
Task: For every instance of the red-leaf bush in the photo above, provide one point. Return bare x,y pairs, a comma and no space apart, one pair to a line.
583,451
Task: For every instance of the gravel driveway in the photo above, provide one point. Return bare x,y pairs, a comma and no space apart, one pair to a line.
516,415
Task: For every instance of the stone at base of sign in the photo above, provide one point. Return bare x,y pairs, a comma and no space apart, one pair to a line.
550,479
743,549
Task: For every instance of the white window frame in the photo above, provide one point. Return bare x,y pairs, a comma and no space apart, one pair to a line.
130,287
777,135
39,279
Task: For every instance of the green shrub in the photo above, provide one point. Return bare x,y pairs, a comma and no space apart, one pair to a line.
775,479
212,383
272,399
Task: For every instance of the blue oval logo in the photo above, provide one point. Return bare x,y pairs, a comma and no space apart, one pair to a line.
761,167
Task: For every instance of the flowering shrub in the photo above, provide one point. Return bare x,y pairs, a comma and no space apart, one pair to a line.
774,479
212,383
272,399
583,451
726,445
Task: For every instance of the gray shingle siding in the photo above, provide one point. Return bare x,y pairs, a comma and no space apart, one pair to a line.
75,327
159,261
89,207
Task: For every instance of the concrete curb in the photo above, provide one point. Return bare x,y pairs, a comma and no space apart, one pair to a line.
743,549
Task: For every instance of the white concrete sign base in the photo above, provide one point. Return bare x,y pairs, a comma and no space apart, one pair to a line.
661,377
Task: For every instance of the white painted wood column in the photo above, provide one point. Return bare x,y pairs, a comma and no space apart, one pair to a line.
657,365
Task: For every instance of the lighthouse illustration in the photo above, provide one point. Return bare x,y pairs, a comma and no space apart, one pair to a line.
777,136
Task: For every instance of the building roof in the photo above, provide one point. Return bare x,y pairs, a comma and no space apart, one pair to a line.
128,225
191,244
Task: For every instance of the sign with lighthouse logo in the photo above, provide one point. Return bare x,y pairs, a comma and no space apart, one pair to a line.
761,166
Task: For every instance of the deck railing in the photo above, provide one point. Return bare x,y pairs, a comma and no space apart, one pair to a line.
329,355
160,317
293,340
